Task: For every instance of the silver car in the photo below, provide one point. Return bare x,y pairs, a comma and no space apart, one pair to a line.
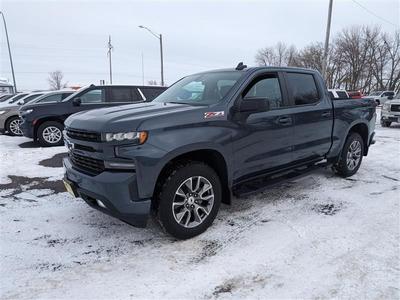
391,112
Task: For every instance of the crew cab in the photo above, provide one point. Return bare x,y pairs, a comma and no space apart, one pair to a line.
211,135
44,122
391,111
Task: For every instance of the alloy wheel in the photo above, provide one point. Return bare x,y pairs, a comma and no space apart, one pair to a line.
353,155
52,134
193,201
15,127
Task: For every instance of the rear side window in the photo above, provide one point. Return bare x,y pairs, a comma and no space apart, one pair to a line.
303,87
151,93
123,94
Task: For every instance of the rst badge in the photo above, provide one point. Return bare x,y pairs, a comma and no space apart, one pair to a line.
213,114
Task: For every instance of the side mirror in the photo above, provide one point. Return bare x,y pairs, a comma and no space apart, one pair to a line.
390,97
76,101
20,102
254,105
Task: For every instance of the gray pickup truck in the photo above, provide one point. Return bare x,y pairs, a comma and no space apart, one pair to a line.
211,135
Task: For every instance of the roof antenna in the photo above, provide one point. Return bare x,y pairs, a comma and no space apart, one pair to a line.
240,66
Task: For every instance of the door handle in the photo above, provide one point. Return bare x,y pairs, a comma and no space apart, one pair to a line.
285,120
326,114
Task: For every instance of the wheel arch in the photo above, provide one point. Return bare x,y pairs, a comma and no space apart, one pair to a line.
212,157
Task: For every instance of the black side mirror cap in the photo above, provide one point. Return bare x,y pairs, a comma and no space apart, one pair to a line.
254,105
76,101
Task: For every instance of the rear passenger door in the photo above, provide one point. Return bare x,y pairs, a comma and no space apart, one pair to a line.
312,115
123,95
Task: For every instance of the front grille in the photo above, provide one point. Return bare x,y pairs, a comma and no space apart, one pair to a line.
395,107
89,165
83,135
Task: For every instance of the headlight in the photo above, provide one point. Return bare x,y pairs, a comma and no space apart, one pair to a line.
2,112
25,112
138,137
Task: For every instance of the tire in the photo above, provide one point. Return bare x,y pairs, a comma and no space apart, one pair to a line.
50,134
385,123
178,204
351,156
378,102
12,126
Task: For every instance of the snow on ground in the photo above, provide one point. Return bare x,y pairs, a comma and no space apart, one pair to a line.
317,237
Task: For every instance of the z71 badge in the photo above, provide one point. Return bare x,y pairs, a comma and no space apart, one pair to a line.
213,114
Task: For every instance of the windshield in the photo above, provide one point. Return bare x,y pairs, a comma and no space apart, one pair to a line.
75,93
201,89
17,97
375,93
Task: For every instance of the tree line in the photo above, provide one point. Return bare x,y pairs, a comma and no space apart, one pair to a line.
360,58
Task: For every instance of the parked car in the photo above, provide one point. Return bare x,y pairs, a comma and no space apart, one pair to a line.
9,114
391,111
381,97
13,99
5,97
44,122
337,94
355,94
210,135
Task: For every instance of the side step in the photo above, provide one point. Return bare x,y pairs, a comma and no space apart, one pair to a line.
260,184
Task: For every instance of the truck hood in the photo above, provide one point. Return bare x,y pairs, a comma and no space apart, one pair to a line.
125,118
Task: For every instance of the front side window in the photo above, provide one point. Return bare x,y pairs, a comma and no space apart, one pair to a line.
303,87
201,89
30,98
268,88
93,96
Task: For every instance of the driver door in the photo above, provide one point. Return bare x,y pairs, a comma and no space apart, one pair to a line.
264,139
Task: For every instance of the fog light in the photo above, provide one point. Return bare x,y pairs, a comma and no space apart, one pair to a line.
101,204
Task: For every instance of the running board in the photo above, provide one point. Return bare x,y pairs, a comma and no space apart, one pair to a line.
260,184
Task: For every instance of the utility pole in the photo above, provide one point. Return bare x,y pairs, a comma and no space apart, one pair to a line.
142,70
326,49
110,48
159,36
9,52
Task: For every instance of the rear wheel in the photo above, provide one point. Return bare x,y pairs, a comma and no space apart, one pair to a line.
13,126
385,123
351,156
50,134
189,200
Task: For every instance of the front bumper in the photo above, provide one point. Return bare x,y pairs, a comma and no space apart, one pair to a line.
390,116
27,128
116,190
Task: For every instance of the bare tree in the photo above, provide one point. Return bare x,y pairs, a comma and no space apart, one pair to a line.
278,55
56,80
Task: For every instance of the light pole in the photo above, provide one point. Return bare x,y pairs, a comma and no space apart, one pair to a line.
326,48
9,52
159,36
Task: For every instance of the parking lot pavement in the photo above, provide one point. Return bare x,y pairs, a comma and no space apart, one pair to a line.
317,237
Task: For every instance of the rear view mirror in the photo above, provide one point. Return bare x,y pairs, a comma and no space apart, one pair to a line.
76,101
254,104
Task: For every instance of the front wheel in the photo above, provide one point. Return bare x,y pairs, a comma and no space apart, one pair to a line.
351,156
189,200
50,134
13,126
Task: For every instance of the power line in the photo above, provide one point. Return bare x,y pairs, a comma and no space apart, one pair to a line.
374,14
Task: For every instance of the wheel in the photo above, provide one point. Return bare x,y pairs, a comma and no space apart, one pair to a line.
351,156
189,200
50,134
378,102
385,123
12,126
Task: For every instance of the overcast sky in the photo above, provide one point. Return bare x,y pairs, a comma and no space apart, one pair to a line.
71,36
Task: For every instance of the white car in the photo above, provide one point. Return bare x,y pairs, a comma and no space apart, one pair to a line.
381,97
391,111
337,94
